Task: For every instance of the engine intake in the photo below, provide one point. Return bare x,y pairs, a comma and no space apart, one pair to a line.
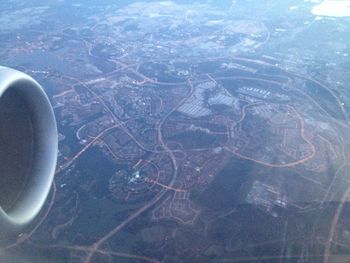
28,149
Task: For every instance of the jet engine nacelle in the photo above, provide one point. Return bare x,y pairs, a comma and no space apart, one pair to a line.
28,150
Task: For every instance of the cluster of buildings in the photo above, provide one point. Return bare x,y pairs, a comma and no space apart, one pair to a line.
266,197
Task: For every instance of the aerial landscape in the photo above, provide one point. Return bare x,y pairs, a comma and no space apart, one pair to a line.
189,131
